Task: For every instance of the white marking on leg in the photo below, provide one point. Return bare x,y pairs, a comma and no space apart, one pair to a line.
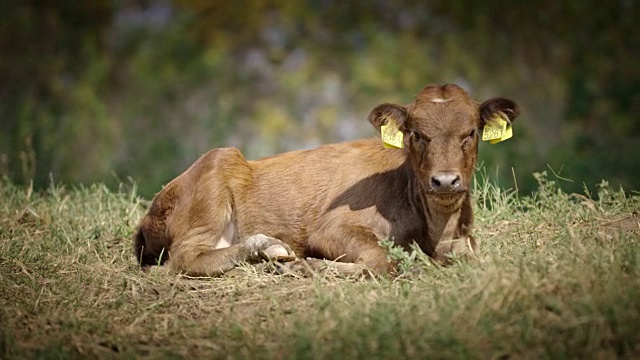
228,237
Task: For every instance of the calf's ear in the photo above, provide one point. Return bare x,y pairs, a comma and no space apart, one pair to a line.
383,113
491,107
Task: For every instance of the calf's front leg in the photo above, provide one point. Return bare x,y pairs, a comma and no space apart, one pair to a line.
350,250
464,246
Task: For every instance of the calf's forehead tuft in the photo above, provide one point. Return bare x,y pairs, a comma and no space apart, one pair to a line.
442,94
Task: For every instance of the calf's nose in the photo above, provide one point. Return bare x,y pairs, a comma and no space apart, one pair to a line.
446,181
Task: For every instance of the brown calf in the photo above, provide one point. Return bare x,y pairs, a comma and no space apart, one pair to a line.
334,202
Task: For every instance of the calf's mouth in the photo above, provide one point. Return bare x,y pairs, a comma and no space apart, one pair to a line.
446,198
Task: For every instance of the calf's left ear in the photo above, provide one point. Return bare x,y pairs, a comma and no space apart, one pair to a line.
384,113
491,107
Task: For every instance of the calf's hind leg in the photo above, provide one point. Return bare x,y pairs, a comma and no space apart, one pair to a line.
201,259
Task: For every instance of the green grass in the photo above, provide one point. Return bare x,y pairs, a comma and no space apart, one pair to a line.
558,277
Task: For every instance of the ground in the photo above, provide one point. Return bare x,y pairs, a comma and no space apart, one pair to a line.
558,277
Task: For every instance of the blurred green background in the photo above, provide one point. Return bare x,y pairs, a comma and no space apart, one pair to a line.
110,90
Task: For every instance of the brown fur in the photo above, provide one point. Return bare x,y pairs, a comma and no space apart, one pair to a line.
334,202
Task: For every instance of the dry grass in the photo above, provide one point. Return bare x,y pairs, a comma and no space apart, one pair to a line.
559,277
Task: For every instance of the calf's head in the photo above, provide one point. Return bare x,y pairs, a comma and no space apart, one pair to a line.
441,133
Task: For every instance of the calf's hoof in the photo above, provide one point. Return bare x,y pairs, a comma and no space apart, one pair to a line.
269,248
279,253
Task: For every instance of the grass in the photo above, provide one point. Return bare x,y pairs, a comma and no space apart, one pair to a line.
558,277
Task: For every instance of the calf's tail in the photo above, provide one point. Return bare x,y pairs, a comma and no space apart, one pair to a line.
150,250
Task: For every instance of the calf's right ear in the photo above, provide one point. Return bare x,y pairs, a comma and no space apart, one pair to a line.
383,113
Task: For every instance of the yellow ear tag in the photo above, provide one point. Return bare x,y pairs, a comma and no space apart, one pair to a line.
508,134
496,130
392,138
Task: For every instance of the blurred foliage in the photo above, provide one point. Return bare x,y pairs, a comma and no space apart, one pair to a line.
103,90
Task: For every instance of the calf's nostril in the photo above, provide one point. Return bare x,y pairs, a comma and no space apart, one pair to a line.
456,182
435,183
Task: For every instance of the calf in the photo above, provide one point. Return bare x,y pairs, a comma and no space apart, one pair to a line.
334,202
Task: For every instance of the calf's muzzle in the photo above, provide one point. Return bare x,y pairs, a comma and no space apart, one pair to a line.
446,182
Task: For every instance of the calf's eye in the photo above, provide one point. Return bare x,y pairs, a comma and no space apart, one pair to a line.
466,140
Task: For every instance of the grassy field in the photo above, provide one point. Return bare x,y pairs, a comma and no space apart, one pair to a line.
558,277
